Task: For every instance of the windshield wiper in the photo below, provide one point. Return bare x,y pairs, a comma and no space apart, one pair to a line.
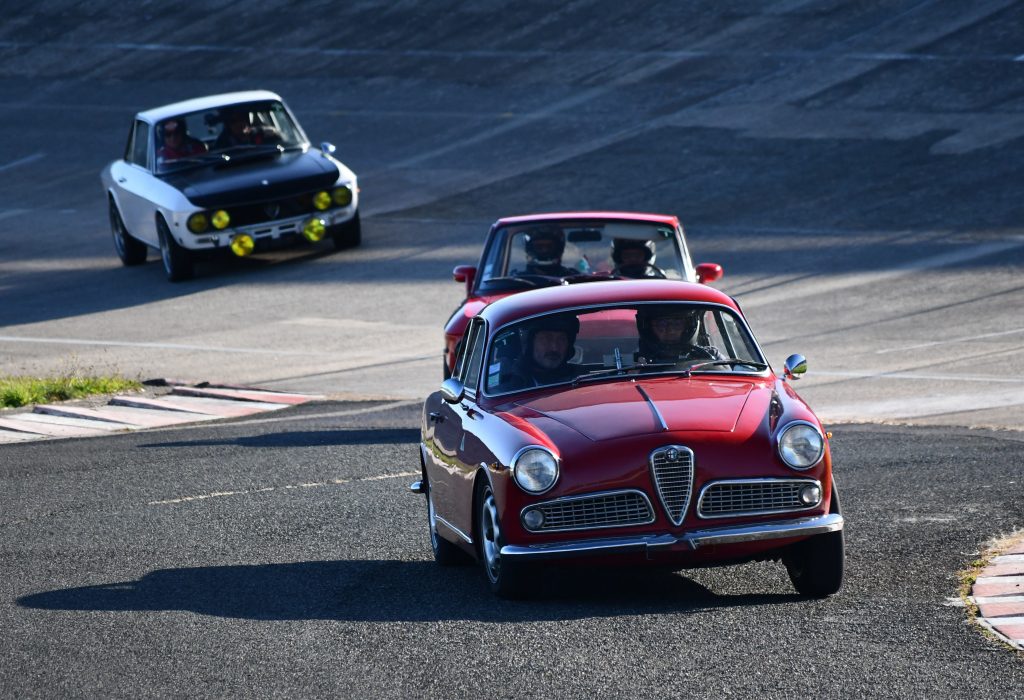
624,371
700,366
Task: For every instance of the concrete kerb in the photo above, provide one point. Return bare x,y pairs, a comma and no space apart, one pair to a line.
997,591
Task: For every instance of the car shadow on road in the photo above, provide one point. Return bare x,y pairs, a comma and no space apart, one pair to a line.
394,591
308,438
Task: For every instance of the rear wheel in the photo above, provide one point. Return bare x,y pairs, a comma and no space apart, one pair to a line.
348,234
178,263
504,576
130,250
445,553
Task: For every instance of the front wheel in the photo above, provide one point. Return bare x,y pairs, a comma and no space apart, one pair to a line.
130,250
504,576
178,263
348,234
816,565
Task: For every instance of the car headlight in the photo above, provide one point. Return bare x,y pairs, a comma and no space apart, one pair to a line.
220,219
342,196
535,469
321,200
801,445
198,222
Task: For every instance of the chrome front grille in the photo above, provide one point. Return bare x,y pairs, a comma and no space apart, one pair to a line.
729,499
611,509
672,471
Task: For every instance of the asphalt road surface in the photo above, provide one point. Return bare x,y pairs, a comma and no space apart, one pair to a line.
855,167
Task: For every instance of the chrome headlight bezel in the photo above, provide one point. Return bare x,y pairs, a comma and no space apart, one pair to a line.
538,477
785,445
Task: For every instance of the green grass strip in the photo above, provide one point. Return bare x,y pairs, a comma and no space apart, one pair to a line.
22,391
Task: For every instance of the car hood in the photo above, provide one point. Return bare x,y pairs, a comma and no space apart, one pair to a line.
269,177
611,410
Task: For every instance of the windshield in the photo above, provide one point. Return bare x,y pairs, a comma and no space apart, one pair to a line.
222,134
544,253
620,342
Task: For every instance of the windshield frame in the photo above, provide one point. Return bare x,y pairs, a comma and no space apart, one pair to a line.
626,374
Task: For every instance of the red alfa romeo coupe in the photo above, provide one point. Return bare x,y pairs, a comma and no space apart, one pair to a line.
636,423
543,250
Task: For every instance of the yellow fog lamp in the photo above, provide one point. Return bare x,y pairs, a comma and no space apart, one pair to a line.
220,219
198,222
314,229
342,196
242,244
321,200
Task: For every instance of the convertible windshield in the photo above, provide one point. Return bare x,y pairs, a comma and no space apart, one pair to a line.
223,134
620,342
543,253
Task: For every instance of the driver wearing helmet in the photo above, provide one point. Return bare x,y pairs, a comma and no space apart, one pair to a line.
544,248
635,258
548,343
672,334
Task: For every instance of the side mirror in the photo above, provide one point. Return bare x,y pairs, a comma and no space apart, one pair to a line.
796,366
709,272
328,148
452,390
467,274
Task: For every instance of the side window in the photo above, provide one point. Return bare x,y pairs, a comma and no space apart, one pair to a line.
471,376
140,144
129,148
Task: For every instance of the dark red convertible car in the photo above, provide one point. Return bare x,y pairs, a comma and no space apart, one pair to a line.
542,250
636,423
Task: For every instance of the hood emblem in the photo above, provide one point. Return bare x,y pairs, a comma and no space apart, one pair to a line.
272,210
673,455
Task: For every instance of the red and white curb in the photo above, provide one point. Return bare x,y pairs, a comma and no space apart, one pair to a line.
184,404
999,594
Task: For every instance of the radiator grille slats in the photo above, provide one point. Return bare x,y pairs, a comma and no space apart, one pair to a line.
615,509
672,470
734,498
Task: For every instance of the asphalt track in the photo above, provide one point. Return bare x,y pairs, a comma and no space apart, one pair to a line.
856,168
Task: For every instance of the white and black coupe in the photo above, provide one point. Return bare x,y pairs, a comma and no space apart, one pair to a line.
225,172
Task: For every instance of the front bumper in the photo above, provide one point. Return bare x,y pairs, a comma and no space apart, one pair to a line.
263,232
689,541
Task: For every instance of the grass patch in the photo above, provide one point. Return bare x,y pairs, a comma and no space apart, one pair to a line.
22,391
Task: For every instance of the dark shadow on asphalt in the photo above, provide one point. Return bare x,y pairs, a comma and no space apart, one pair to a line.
394,591
309,438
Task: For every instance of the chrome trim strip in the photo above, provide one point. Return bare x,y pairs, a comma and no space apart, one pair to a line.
457,531
746,513
657,413
782,529
586,496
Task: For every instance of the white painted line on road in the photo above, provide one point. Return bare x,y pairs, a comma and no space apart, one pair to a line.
9,213
824,284
162,346
965,339
268,489
22,161
869,374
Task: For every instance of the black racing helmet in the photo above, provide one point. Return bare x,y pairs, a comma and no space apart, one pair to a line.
621,244
545,245
688,318
566,323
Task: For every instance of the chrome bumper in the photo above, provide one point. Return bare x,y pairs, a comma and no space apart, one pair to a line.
650,544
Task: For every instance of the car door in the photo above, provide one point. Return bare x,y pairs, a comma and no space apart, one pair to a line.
452,479
133,182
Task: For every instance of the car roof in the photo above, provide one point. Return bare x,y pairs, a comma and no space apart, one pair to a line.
209,102
665,219
538,301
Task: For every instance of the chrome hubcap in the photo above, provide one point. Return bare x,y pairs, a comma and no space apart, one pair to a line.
490,532
118,230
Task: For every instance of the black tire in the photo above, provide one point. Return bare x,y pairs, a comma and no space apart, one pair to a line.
817,564
348,234
178,263
130,250
445,553
504,577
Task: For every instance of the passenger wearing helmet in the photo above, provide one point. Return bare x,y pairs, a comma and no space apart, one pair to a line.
672,334
175,142
635,258
547,343
544,249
